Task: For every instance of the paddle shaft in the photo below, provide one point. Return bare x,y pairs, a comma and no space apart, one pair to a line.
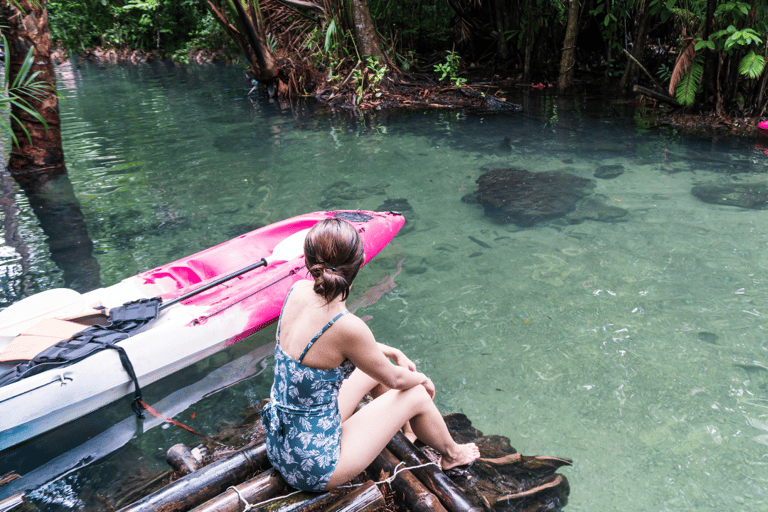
217,282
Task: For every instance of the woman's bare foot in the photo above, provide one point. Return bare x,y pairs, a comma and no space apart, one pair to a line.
465,454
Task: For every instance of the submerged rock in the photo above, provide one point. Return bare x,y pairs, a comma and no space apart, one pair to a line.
752,196
526,198
597,208
335,195
395,205
608,172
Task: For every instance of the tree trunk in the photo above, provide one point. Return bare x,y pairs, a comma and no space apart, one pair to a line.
501,41
631,71
568,60
528,41
368,42
246,27
38,158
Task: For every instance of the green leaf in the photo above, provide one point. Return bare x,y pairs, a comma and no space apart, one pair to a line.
686,90
752,65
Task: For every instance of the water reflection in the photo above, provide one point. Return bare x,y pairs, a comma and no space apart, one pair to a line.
59,215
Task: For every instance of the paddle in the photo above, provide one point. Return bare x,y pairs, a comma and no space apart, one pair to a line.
287,249
45,303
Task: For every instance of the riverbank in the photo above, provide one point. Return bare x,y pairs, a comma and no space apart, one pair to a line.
422,90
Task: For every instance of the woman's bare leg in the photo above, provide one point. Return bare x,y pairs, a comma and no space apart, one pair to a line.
355,388
369,430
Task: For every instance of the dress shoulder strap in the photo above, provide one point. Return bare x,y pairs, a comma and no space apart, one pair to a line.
325,328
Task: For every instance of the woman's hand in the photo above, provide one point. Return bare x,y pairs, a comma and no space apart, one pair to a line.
398,357
402,360
430,387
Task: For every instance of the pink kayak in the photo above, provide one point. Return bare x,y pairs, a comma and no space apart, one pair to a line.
762,129
209,301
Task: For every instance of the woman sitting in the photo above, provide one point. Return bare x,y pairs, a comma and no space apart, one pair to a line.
326,361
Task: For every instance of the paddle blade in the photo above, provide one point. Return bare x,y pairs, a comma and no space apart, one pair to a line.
291,247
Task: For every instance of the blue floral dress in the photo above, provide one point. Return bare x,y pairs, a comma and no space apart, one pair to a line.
302,420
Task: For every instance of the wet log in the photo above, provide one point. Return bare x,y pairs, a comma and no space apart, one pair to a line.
407,488
180,458
365,498
450,495
656,95
263,487
205,483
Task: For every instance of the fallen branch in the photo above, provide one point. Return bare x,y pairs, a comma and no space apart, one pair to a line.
655,95
644,70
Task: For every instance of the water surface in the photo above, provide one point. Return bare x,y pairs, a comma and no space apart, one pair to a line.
633,345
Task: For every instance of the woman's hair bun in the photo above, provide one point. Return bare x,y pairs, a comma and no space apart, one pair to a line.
333,252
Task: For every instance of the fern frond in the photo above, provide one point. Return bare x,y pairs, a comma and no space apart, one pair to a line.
682,64
752,65
685,94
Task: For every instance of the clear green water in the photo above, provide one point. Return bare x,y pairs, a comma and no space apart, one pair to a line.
636,348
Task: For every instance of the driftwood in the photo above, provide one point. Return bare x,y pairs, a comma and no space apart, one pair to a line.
450,495
407,488
263,487
656,95
180,458
204,483
505,479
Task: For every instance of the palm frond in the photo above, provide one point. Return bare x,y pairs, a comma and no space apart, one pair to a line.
752,65
685,94
682,64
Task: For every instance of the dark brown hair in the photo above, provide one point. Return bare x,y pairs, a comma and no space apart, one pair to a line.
333,253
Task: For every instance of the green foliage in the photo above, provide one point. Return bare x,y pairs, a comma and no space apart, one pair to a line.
172,25
664,73
686,90
752,65
450,68
368,78
24,85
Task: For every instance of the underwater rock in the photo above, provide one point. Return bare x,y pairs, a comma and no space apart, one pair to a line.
597,208
395,205
707,337
608,172
752,196
335,193
525,198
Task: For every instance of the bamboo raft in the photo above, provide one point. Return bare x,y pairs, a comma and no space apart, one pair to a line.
501,480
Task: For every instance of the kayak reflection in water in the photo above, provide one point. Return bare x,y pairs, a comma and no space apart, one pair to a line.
326,361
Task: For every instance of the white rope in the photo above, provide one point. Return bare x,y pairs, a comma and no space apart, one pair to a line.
397,470
251,506
388,481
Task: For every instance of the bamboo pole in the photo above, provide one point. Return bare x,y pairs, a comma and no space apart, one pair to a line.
406,486
365,498
263,487
205,483
180,458
451,496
